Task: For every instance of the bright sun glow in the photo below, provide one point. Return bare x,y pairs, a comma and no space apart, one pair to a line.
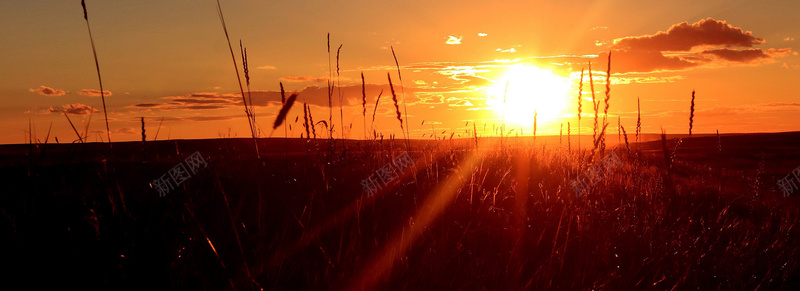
529,89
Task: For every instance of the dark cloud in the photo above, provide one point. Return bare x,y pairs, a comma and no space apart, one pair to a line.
202,118
642,61
47,91
93,92
685,36
77,109
746,56
685,46
313,95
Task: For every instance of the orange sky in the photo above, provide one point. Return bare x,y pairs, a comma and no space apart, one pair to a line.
169,59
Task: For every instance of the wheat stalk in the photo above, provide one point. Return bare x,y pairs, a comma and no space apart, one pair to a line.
396,107
608,98
402,91
638,118
305,120
372,125
627,146
595,104
569,137
364,104
284,111
691,114
246,69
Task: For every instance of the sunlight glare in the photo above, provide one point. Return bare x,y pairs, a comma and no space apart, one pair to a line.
529,89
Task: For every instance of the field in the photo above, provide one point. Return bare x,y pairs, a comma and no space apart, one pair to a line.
466,214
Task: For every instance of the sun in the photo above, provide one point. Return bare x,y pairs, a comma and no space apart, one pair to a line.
525,89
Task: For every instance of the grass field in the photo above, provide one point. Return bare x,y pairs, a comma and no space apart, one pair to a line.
707,215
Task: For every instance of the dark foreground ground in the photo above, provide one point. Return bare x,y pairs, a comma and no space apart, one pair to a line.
707,214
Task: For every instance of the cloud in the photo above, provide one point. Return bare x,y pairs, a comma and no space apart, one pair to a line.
453,40
47,91
482,34
296,79
642,61
645,80
747,56
267,67
313,95
684,36
788,38
77,109
460,103
706,43
511,50
93,92
124,130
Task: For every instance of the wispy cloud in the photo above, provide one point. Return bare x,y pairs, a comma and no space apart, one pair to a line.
267,67
453,39
297,79
93,92
47,91
313,95
77,109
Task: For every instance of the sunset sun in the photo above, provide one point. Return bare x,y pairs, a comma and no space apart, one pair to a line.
528,89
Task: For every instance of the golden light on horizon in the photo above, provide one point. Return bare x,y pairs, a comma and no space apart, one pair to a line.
525,89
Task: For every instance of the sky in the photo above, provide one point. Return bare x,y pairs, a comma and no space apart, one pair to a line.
464,64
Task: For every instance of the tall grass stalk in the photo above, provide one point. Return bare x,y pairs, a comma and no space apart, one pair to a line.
535,124
86,129
580,108
339,94
158,129
396,107
402,91
330,90
364,104
305,120
283,101
638,118
70,124
625,134
246,67
691,115
595,106
97,67
569,137
238,79
607,100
